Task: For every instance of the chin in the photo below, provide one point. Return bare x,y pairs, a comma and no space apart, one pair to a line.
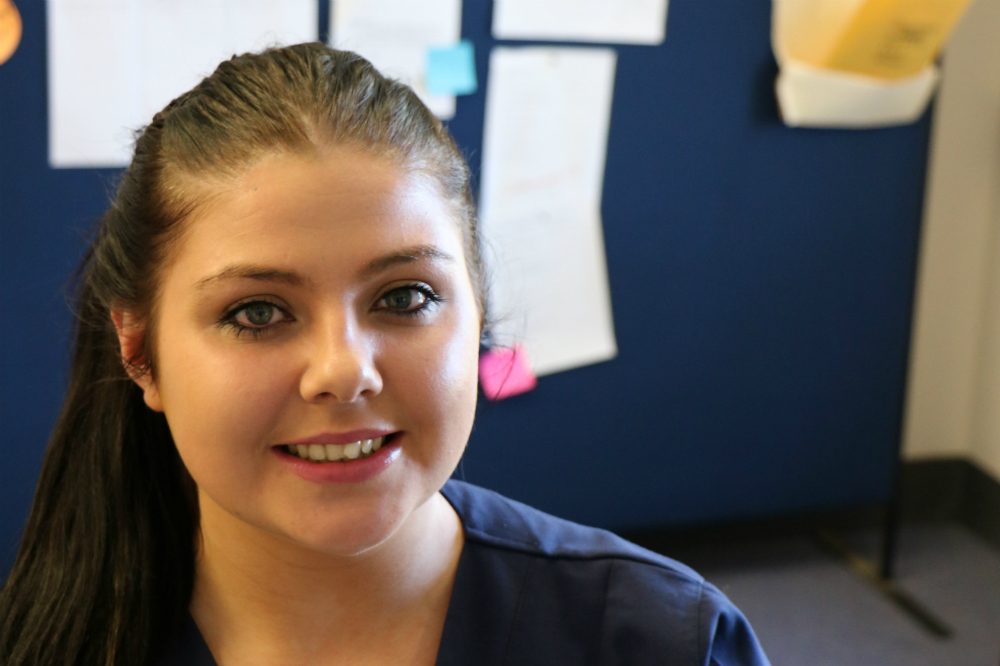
348,535
348,543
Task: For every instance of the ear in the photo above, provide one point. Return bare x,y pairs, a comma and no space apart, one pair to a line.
131,335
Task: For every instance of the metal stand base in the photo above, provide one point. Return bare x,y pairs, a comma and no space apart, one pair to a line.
884,583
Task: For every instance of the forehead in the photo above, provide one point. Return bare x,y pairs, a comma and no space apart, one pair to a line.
333,211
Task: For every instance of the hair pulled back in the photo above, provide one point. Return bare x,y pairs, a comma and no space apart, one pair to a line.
106,565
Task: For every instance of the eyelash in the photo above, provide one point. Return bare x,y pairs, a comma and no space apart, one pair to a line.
228,320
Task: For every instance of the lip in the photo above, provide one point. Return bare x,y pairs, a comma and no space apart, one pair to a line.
352,471
340,437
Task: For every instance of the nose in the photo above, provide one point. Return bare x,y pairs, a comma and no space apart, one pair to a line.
341,366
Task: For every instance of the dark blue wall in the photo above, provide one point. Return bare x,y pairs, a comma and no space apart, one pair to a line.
761,279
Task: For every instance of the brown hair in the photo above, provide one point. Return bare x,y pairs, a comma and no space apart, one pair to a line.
105,568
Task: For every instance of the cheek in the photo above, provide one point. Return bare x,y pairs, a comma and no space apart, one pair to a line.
438,381
221,401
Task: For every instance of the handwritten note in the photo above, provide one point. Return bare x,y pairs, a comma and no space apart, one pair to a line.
544,147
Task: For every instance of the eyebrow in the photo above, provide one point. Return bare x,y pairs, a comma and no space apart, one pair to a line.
373,268
406,256
252,272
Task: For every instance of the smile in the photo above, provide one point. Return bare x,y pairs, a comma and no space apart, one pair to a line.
335,452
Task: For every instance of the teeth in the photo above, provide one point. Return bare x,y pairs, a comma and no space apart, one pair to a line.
334,452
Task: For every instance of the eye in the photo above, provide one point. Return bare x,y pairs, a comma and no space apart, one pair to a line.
257,314
405,298
408,300
255,317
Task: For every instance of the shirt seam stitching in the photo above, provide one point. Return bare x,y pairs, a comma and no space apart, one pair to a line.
526,548
517,612
602,638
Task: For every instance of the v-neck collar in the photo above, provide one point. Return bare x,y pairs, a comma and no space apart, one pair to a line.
473,632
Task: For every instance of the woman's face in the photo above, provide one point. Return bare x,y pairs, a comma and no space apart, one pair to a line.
319,301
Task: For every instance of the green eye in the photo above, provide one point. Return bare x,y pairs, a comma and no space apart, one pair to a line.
409,301
404,298
255,318
259,314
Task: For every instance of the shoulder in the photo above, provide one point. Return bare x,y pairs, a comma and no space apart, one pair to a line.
492,519
631,605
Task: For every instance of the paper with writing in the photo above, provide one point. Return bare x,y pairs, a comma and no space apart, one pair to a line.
543,169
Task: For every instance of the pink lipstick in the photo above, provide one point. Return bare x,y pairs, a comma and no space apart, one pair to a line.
349,457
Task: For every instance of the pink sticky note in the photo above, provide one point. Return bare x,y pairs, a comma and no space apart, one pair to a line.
505,372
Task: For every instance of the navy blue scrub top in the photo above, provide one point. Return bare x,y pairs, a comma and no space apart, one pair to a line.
532,589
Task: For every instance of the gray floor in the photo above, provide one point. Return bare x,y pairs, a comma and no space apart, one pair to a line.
810,610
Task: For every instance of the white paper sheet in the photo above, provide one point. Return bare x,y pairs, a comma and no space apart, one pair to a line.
114,63
395,36
607,21
544,148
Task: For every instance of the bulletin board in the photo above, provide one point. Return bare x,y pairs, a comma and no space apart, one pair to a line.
761,280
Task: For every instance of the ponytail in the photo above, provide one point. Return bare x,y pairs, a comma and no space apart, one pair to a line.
106,564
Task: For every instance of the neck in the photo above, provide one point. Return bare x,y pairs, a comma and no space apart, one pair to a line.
260,598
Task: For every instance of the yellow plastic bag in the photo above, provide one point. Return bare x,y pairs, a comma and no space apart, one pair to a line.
894,39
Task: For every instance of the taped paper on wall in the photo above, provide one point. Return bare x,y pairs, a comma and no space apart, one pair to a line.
114,63
544,147
602,21
396,35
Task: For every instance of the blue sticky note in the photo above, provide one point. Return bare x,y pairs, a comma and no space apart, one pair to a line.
451,70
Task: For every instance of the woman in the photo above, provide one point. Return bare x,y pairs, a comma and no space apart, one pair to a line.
274,378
